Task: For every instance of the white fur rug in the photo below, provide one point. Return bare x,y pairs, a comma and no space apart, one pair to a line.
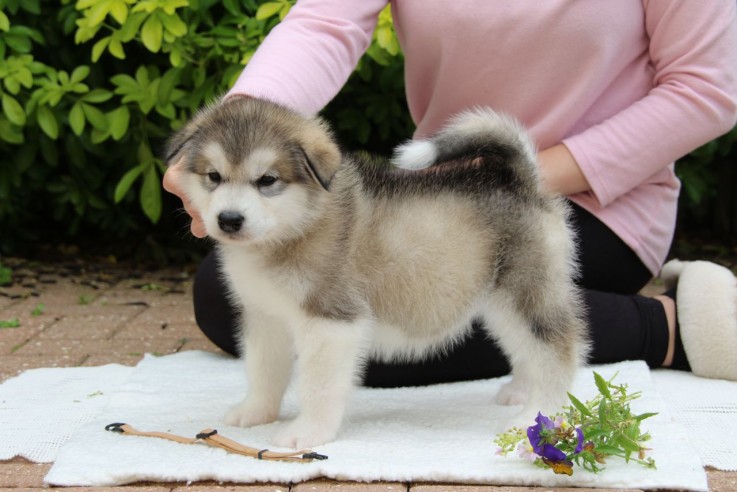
441,433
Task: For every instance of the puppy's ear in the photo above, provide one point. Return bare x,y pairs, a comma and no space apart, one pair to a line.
178,143
321,154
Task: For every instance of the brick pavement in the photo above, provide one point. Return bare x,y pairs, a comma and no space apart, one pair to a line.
76,314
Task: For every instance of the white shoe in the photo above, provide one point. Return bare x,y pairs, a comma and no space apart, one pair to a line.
706,304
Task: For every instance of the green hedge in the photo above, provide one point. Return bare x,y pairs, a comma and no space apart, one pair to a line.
91,89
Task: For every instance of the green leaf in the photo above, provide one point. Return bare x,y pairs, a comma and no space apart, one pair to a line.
32,6
80,88
166,86
116,48
9,323
119,121
99,136
76,119
602,385
644,416
79,74
268,9
20,44
95,117
628,444
13,110
579,406
25,77
125,83
151,194
4,21
603,420
175,58
119,12
125,183
47,121
232,7
10,133
142,76
609,450
129,30
175,25
97,96
12,84
99,48
152,33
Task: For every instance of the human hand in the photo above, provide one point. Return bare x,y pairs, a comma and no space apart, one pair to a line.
173,184
559,171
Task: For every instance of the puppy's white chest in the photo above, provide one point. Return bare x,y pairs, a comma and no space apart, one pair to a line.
263,288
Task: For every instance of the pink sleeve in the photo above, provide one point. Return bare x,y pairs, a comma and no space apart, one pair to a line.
693,52
305,60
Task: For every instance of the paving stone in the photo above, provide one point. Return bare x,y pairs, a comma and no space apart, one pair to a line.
29,326
84,348
722,481
176,298
67,294
26,308
21,474
5,302
139,329
497,488
52,309
126,488
17,292
331,485
120,296
205,487
99,323
167,314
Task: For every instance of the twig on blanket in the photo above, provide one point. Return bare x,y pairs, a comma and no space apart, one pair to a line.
212,438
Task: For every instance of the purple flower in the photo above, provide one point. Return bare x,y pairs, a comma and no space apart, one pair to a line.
544,435
552,453
539,435
579,444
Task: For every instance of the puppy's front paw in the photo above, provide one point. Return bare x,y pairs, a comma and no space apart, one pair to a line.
300,434
512,393
247,414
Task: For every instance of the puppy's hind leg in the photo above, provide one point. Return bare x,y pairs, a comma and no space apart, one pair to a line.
330,356
267,352
543,337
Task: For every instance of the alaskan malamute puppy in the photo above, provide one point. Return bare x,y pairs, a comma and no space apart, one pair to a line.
336,259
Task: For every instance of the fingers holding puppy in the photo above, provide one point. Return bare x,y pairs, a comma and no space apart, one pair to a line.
172,183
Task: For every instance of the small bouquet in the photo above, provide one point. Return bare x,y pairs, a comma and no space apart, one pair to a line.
585,434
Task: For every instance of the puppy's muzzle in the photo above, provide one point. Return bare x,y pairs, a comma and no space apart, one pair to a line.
230,222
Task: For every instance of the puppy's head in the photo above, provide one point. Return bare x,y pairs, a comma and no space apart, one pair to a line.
255,171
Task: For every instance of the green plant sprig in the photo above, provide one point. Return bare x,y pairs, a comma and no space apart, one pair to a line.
586,434
610,425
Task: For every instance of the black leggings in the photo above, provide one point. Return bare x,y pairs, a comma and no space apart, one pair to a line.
624,325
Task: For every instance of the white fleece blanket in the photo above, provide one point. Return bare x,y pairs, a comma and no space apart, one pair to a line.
442,433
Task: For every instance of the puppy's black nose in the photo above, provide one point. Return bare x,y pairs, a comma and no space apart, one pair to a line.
230,221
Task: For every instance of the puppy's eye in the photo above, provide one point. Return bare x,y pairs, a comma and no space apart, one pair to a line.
266,181
214,177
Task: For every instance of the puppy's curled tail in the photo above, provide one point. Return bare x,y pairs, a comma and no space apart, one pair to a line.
500,142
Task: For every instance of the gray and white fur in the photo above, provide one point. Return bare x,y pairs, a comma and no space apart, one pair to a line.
336,259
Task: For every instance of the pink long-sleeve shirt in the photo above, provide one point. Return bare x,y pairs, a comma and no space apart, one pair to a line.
629,86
